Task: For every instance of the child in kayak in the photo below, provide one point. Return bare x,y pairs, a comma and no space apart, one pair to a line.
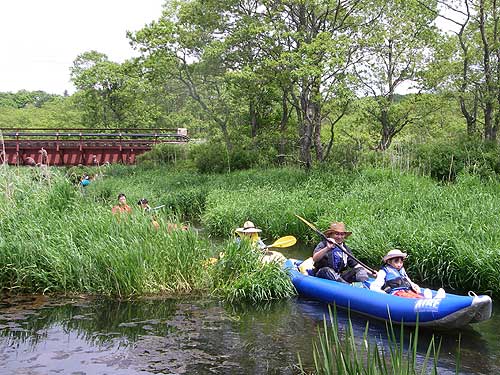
392,279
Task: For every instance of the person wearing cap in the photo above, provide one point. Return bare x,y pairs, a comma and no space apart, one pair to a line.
393,279
144,204
331,259
145,207
122,206
250,231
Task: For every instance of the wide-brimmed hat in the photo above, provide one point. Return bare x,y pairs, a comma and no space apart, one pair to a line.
337,227
248,227
395,253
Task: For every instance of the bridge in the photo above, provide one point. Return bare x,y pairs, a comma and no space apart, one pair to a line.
67,147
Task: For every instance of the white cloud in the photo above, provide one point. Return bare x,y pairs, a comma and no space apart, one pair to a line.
40,39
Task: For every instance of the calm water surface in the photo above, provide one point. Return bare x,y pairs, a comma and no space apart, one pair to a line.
40,335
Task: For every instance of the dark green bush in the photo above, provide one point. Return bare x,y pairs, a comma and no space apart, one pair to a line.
163,154
448,158
215,158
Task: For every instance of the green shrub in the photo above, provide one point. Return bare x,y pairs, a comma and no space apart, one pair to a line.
241,276
163,154
215,158
448,158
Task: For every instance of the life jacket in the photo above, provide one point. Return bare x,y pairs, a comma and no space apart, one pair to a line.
395,280
335,258
254,237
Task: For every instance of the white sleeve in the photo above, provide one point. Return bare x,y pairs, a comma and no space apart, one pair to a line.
379,282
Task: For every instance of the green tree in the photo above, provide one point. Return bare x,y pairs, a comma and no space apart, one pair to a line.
473,64
113,95
398,51
218,48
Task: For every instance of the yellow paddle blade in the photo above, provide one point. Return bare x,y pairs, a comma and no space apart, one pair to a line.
286,241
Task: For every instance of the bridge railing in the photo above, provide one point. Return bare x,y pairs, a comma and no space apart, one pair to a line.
177,134
74,146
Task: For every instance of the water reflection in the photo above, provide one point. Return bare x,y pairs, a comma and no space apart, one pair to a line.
194,335
181,336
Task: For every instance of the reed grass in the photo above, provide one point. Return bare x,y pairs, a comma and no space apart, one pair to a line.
450,231
241,276
337,351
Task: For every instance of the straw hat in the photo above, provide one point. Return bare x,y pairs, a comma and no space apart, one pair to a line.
337,227
396,253
248,227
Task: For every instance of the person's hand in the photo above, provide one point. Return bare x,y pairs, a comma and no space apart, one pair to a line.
330,243
415,287
374,274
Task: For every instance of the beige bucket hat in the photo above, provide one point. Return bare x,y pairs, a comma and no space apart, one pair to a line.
395,253
248,227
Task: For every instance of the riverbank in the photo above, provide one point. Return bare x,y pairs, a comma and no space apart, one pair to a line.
59,237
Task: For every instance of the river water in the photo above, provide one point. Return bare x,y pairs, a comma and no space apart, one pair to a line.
196,335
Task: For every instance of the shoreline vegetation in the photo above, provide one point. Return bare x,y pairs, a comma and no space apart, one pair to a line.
339,350
59,238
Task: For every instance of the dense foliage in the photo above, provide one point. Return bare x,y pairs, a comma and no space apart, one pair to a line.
449,231
58,238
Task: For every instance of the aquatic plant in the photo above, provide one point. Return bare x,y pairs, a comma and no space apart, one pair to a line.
450,231
240,276
341,352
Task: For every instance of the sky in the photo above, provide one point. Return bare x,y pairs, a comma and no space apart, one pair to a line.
40,39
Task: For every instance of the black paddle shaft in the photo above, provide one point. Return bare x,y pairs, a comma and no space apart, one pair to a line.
310,225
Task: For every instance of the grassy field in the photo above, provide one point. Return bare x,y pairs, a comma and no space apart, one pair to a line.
58,237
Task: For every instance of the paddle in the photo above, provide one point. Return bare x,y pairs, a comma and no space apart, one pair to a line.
310,225
158,207
282,242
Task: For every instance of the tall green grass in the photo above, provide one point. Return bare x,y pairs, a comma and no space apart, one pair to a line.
241,276
341,352
57,238
450,231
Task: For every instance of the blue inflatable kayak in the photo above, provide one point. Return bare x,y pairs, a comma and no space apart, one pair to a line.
450,312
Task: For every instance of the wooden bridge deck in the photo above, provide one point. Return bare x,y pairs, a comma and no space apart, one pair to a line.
81,146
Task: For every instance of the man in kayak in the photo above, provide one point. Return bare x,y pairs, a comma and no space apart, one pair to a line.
392,279
331,259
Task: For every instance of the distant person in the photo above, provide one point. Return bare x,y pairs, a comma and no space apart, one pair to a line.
122,206
250,232
85,180
393,279
44,157
144,204
145,207
331,259
29,161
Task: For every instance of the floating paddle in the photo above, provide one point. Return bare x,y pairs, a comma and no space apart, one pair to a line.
282,242
310,225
